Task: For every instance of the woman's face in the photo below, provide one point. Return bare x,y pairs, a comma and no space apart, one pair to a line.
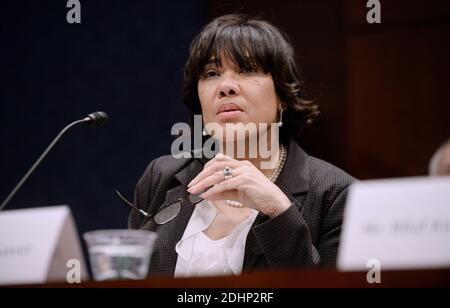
230,94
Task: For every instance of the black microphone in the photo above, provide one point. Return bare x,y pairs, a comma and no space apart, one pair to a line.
98,118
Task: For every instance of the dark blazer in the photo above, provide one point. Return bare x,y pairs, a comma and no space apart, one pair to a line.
307,234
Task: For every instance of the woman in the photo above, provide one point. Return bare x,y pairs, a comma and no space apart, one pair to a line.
242,70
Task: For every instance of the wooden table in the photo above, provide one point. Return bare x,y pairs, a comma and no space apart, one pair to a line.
283,279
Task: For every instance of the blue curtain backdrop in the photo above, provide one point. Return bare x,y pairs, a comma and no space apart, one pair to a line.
126,58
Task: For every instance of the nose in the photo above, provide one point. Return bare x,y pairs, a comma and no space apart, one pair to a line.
229,86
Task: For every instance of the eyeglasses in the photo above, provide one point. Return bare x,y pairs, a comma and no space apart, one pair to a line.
165,215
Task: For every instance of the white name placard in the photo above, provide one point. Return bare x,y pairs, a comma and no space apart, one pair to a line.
39,245
402,223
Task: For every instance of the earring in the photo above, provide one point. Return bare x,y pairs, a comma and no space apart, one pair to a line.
204,132
280,123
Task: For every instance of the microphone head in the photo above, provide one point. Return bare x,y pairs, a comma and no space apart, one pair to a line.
98,118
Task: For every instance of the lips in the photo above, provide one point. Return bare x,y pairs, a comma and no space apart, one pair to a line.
229,107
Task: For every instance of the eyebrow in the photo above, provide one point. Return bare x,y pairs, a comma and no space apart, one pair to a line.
212,62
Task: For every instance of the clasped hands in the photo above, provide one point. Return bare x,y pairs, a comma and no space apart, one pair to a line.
248,185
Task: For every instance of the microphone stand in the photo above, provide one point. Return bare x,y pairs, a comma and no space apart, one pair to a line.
48,149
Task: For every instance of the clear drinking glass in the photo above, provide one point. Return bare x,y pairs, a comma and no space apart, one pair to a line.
119,254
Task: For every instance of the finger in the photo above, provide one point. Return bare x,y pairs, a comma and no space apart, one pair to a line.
203,184
208,171
211,169
207,182
234,183
213,180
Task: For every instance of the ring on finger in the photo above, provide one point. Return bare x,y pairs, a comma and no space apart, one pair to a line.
227,173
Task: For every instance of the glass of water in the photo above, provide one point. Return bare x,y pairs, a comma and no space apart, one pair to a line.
120,254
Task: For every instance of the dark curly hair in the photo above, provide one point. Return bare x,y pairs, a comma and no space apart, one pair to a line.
251,41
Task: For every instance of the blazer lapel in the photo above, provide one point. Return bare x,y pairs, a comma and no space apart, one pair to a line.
293,181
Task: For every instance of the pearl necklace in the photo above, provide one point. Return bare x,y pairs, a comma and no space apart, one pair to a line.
273,177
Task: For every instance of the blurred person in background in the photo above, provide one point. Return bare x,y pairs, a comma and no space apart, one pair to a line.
440,162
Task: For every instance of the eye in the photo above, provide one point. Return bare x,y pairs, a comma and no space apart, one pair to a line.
249,69
210,73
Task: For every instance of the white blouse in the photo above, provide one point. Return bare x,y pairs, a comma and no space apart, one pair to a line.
198,255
